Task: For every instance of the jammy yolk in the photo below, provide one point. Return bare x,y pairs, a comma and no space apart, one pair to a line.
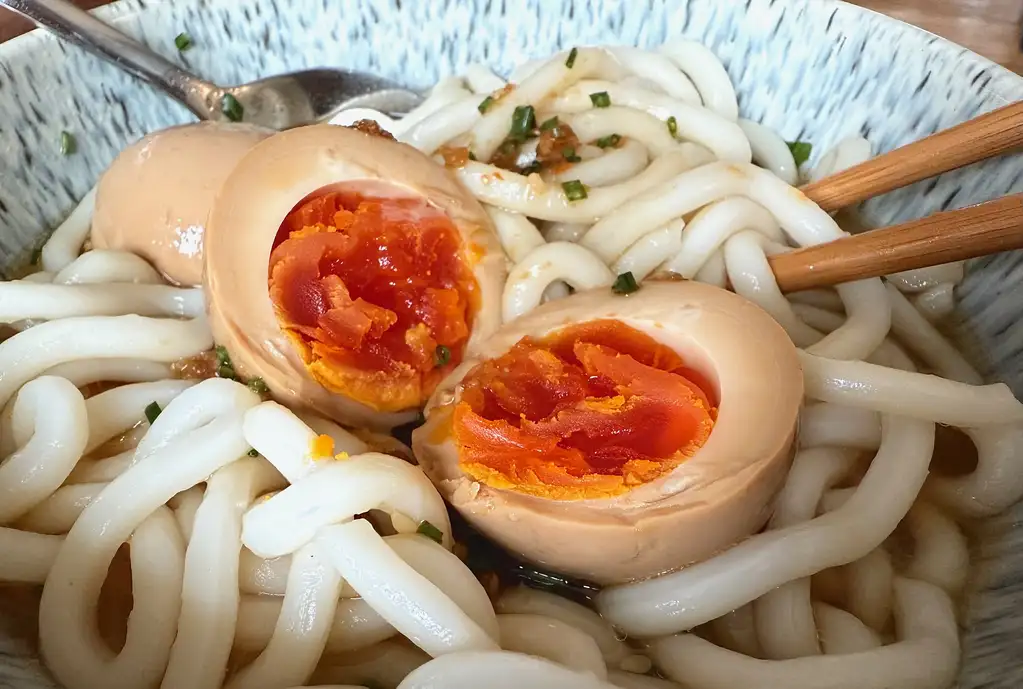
590,411
376,294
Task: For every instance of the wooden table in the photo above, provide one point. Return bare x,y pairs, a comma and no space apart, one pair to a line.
989,27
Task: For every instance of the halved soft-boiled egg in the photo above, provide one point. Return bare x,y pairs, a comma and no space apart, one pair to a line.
617,437
350,272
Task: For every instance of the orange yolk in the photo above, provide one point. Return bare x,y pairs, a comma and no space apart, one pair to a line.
377,295
591,411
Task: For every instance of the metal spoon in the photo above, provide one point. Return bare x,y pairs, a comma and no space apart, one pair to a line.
280,102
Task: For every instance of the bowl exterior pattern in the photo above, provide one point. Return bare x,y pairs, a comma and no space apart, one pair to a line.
815,70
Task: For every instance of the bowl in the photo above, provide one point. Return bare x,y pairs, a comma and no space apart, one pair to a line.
813,70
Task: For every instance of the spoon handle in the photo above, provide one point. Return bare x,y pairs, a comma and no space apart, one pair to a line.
71,24
991,134
971,232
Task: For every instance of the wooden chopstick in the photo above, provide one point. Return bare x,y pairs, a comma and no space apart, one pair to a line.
956,235
994,133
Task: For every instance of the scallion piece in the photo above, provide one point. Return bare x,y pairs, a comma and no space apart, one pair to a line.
535,166
625,284
485,104
523,122
231,108
801,151
572,55
472,156
68,145
430,531
574,190
183,42
441,356
223,357
253,453
258,386
673,126
152,411
569,155
600,99
549,124
609,141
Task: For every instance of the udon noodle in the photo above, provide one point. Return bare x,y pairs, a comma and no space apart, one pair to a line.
253,562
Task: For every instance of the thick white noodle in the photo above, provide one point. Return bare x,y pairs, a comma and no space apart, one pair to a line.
300,635
185,505
344,440
736,630
835,425
699,593
643,257
442,126
27,354
637,125
527,601
445,92
940,553
70,642
58,512
550,638
384,665
119,409
887,390
994,485
923,279
497,670
50,427
515,192
564,231
936,303
21,300
209,595
630,680
926,656
481,80
848,152
707,73
28,556
869,588
263,577
41,277
408,600
66,241
842,632
784,616
659,70
108,265
770,151
546,265
615,166
356,625
517,234
87,371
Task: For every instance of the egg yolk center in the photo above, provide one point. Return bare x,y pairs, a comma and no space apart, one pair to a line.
376,294
591,411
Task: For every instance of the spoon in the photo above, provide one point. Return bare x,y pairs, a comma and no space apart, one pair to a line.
279,102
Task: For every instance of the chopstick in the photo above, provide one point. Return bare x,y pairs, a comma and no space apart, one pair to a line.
970,232
991,134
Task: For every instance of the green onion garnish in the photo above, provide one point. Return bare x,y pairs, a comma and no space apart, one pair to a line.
600,100
430,531
800,151
231,108
225,369
535,166
258,386
152,411
609,141
574,190
625,284
523,121
472,156
673,126
569,155
68,145
442,355
549,124
183,42
253,453
485,104
572,54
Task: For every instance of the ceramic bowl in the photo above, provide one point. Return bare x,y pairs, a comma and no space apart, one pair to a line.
813,70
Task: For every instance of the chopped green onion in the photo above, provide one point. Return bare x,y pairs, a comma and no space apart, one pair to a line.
800,151
253,453
572,55
609,141
37,255
574,190
600,100
485,104
625,284
442,355
226,372
523,122
152,411
568,153
673,126
183,42
549,124
223,357
231,108
430,531
472,156
258,386
68,145
535,166
507,147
